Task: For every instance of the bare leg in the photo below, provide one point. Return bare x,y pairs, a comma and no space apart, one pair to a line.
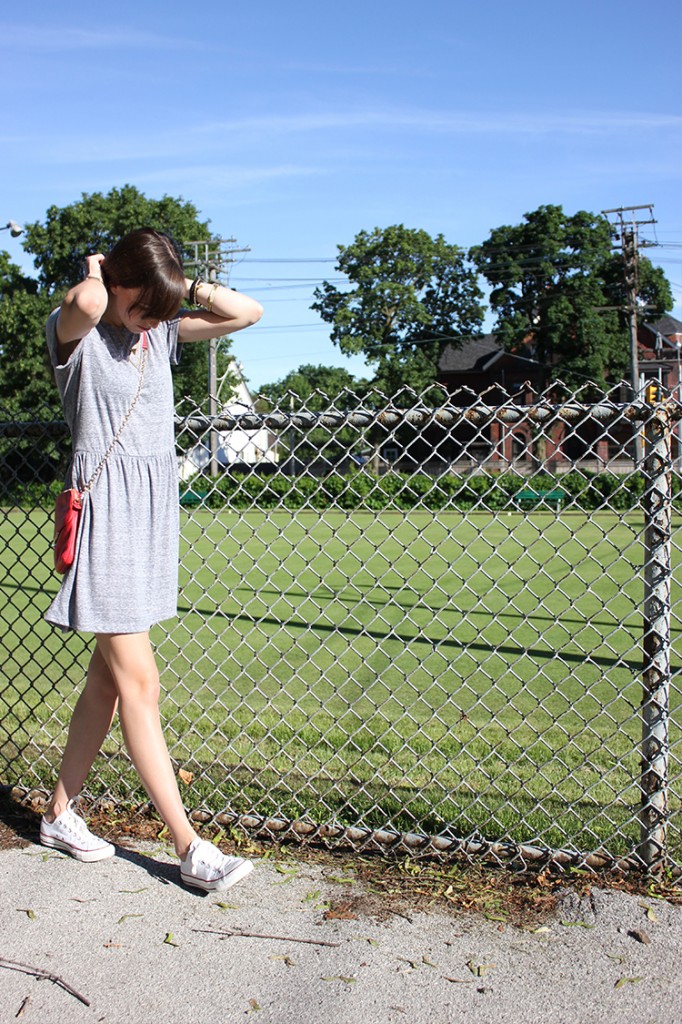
89,725
130,661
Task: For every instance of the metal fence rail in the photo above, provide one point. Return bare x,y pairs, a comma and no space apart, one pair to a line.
446,627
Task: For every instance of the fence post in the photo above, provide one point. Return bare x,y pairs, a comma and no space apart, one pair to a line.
656,639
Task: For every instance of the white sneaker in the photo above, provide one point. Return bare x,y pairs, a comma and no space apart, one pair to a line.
69,832
205,867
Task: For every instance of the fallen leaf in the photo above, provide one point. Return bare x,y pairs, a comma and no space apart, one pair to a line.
478,969
413,963
254,1006
618,959
342,912
626,981
169,941
113,945
348,978
640,935
576,924
459,981
429,963
285,881
186,777
285,958
31,914
125,917
227,906
651,916
282,869
134,892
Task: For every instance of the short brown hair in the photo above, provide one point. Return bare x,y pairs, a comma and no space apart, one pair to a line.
149,260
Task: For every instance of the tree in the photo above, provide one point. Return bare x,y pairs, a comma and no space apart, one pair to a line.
26,384
558,290
316,389
93,224
410,295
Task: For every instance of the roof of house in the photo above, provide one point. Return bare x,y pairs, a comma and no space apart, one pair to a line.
469,357
667,326
476,356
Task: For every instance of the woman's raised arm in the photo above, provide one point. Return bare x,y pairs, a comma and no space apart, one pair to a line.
224,311
82,308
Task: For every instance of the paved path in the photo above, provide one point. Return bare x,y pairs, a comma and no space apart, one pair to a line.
142,949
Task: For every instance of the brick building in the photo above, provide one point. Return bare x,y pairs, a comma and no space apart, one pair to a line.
482,369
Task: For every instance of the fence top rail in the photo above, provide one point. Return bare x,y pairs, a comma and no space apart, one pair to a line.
448,416
541,413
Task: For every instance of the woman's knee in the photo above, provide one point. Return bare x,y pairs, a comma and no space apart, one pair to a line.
132,667
100,682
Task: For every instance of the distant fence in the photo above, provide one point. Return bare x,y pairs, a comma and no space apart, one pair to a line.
441,629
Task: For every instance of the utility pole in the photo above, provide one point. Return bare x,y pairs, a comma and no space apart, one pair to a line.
212,258
625,231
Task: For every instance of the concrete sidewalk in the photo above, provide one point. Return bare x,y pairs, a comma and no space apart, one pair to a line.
141,948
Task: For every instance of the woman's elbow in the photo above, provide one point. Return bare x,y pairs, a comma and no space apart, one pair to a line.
254,313
91,306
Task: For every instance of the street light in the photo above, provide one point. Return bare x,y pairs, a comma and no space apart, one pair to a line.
14,229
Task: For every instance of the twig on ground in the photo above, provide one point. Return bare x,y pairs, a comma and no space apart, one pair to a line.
38,972
238,933
26,1002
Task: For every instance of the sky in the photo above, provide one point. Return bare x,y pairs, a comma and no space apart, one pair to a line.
292,127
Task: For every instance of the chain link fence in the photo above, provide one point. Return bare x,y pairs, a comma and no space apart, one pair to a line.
435,623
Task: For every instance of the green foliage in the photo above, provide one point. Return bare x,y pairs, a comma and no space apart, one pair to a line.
315,389
558,288
96,222
25,378
59,247
312,386
405,492
409,294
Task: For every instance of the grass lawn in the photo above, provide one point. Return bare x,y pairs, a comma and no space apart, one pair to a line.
478,674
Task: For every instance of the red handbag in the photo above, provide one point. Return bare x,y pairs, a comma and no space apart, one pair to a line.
66,517
69,504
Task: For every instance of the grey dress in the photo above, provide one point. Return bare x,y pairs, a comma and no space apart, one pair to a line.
125,575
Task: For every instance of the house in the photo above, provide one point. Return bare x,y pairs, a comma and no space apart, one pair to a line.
659,346
238,448
481,370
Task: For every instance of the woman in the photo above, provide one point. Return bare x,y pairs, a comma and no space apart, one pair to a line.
112,343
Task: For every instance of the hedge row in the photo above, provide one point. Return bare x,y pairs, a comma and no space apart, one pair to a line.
400,491
405,492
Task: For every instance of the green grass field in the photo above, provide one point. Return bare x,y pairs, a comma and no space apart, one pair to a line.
475,673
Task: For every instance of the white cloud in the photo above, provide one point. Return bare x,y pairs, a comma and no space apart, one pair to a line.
58,39
451,122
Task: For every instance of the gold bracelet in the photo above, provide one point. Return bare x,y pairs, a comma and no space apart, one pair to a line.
93,277
209,300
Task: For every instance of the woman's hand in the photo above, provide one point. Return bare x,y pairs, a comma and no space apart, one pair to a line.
94,267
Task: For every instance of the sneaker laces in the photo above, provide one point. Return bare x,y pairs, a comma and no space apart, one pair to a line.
209,855
73,820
